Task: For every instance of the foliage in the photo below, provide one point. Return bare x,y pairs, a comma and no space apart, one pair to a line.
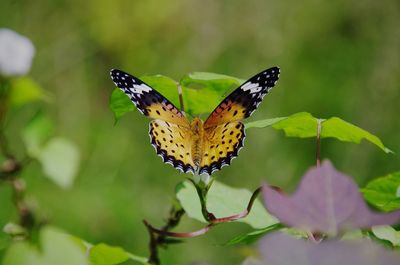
384,192
304,125
326,204
223,200
59,156
55,248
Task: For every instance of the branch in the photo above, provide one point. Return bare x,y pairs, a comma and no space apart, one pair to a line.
212,222
158,237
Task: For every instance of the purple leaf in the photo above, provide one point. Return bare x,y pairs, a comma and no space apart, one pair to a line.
326,201
281,249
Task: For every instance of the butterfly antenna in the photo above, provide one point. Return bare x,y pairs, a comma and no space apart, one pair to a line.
181,98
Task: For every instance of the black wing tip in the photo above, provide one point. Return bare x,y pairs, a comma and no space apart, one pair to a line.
115,72
273,69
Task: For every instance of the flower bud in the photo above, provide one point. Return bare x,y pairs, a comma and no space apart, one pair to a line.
16,53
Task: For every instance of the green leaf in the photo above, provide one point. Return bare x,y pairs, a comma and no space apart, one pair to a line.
120,104
103,254
263,123
253,236
304,125
211,79
218,83
386,232
21,253
59,248
60,161
223,201
347,132
202,92
36,133
56,248
165,86
24,90
384,192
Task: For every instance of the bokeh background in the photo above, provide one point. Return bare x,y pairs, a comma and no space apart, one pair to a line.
338,58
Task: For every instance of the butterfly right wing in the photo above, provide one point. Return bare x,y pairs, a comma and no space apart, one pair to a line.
170,132
146,99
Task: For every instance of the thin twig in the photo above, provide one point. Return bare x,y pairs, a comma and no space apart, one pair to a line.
242,214
26,217
164,233
318,151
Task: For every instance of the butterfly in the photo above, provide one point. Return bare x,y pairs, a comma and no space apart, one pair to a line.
196,146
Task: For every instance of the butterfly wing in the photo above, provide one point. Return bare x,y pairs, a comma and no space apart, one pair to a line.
221,144
146,99
223,130
170,132
173,143
244,100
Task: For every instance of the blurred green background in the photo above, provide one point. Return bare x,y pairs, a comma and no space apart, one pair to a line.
337,58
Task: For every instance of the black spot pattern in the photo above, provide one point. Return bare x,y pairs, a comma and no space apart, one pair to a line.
172,158
151,103
226,160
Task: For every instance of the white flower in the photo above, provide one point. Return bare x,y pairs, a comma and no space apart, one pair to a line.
16,53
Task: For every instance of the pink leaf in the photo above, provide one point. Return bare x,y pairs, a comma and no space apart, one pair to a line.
326,201
281,249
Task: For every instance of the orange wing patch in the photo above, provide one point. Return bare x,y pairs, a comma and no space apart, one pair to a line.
221,144
173,143
227,111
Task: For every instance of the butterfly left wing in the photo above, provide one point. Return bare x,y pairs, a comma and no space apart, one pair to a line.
223,130
146,99
220,145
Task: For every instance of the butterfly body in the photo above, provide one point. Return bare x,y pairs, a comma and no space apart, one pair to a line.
196,146
197,140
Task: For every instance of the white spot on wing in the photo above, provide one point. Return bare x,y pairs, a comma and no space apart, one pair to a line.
252,87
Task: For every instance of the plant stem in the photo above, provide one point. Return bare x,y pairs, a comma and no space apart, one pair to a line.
180,97
202,192
211,222
318,144
11,167
26,217
158,237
